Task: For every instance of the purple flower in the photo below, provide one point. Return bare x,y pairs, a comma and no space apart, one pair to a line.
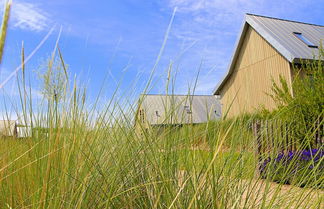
280,156
302,159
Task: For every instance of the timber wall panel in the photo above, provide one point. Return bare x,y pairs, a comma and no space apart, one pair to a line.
250,83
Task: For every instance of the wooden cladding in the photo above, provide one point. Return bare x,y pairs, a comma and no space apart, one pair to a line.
249,86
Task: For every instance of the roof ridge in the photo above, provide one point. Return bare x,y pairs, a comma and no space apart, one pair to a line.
275,18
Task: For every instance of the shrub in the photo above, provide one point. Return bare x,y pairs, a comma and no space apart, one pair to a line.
303,107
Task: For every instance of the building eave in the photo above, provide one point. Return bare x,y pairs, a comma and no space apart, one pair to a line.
249,22
237,47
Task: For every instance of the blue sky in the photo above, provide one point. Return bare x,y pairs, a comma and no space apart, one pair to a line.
122,38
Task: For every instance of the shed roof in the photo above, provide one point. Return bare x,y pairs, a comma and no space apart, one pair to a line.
180,109
279,33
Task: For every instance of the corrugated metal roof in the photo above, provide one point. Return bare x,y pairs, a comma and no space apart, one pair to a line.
279,34
180,109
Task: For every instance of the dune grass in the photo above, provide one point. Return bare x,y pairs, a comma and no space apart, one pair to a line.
114,168
89,156
82,156
82,164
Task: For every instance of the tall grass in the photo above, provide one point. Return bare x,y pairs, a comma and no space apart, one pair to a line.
93,158
4,26
82,156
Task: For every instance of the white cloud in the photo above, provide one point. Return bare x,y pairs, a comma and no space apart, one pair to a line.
28,16
225,6
204,18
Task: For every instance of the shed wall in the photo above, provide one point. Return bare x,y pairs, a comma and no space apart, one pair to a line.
247,88
8,128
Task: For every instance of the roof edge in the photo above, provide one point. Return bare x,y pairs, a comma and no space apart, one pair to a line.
248,21
276,18
268,37
237,47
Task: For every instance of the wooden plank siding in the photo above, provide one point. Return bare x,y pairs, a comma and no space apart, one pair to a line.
247,88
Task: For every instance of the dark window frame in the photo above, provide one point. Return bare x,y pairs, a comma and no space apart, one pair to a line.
301,37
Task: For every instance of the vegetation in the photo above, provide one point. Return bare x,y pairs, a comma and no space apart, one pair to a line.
303,107
4,26
90,157
308,166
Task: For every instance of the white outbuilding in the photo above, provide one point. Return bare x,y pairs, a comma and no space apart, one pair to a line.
161,110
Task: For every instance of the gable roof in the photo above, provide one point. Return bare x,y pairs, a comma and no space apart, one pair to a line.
173,109
279,34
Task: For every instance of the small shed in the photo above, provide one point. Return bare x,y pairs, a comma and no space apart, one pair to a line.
8,128
160,110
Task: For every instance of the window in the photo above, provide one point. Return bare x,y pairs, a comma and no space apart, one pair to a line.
187,108
304,39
